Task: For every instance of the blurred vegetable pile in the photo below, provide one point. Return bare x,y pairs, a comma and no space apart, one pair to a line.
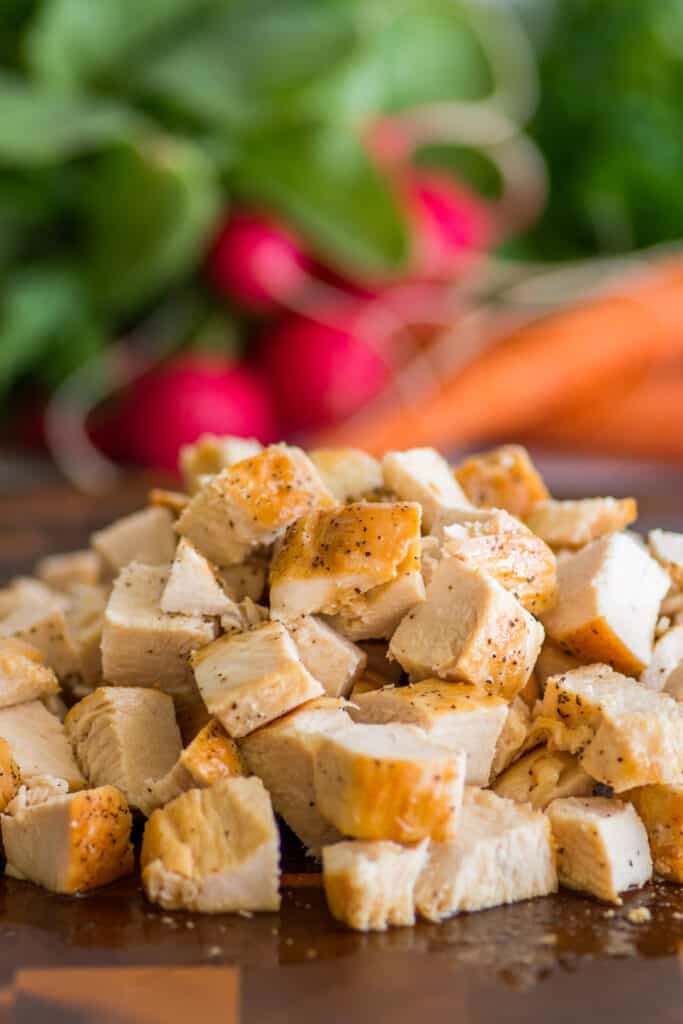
187,169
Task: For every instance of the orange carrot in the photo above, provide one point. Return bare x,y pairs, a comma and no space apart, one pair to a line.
646,421
536,370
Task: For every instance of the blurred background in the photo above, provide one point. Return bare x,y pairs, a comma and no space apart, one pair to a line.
443,222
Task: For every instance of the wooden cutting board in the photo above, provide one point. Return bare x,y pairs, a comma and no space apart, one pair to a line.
112,957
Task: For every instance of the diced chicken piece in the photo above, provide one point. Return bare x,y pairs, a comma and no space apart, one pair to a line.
371,885
192,587
504,547
248,579
348,473
624,734
422,475
146,536
10,775
144,646
37,790
249,505
376,614
388,782
209,757
23,674
667,656
210,454
504,477
572,524
328,558
430,556
469,628
70,843
282,754
379,663
667,548
56,706
368,683
608,604
330,658
674,684
243,616
602,846
661,811
672,605
38,617
62,571
123,736
174,501
453,715
503,853
39,743
248,679
214,850
542,776
86,622
512,737
553,661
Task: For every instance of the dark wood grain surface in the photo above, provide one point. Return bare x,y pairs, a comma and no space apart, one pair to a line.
559,960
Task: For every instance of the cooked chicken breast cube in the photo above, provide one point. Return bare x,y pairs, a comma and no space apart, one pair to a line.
624,734
192,587
453,715
512,737
209,757
376,614
248,579
144,646
214,850
86,622
367,683
146,536
24,674
503,546
348,473
38,743
70,843
571,524
661,811
542,776
330,658
608,603
248,679
469,628
674,684
667,656
422,475
371,885
388,782
243,616
504,477
62,571
330,557
123,736
282,754
210,454
602,846
174,501
10,775
503,853
379,662
553,661
38,617
250,504
667,548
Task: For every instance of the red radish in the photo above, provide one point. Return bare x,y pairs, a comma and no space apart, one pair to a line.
173,404
321,371
257,261
451,225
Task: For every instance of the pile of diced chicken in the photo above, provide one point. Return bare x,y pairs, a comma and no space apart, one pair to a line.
456,691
